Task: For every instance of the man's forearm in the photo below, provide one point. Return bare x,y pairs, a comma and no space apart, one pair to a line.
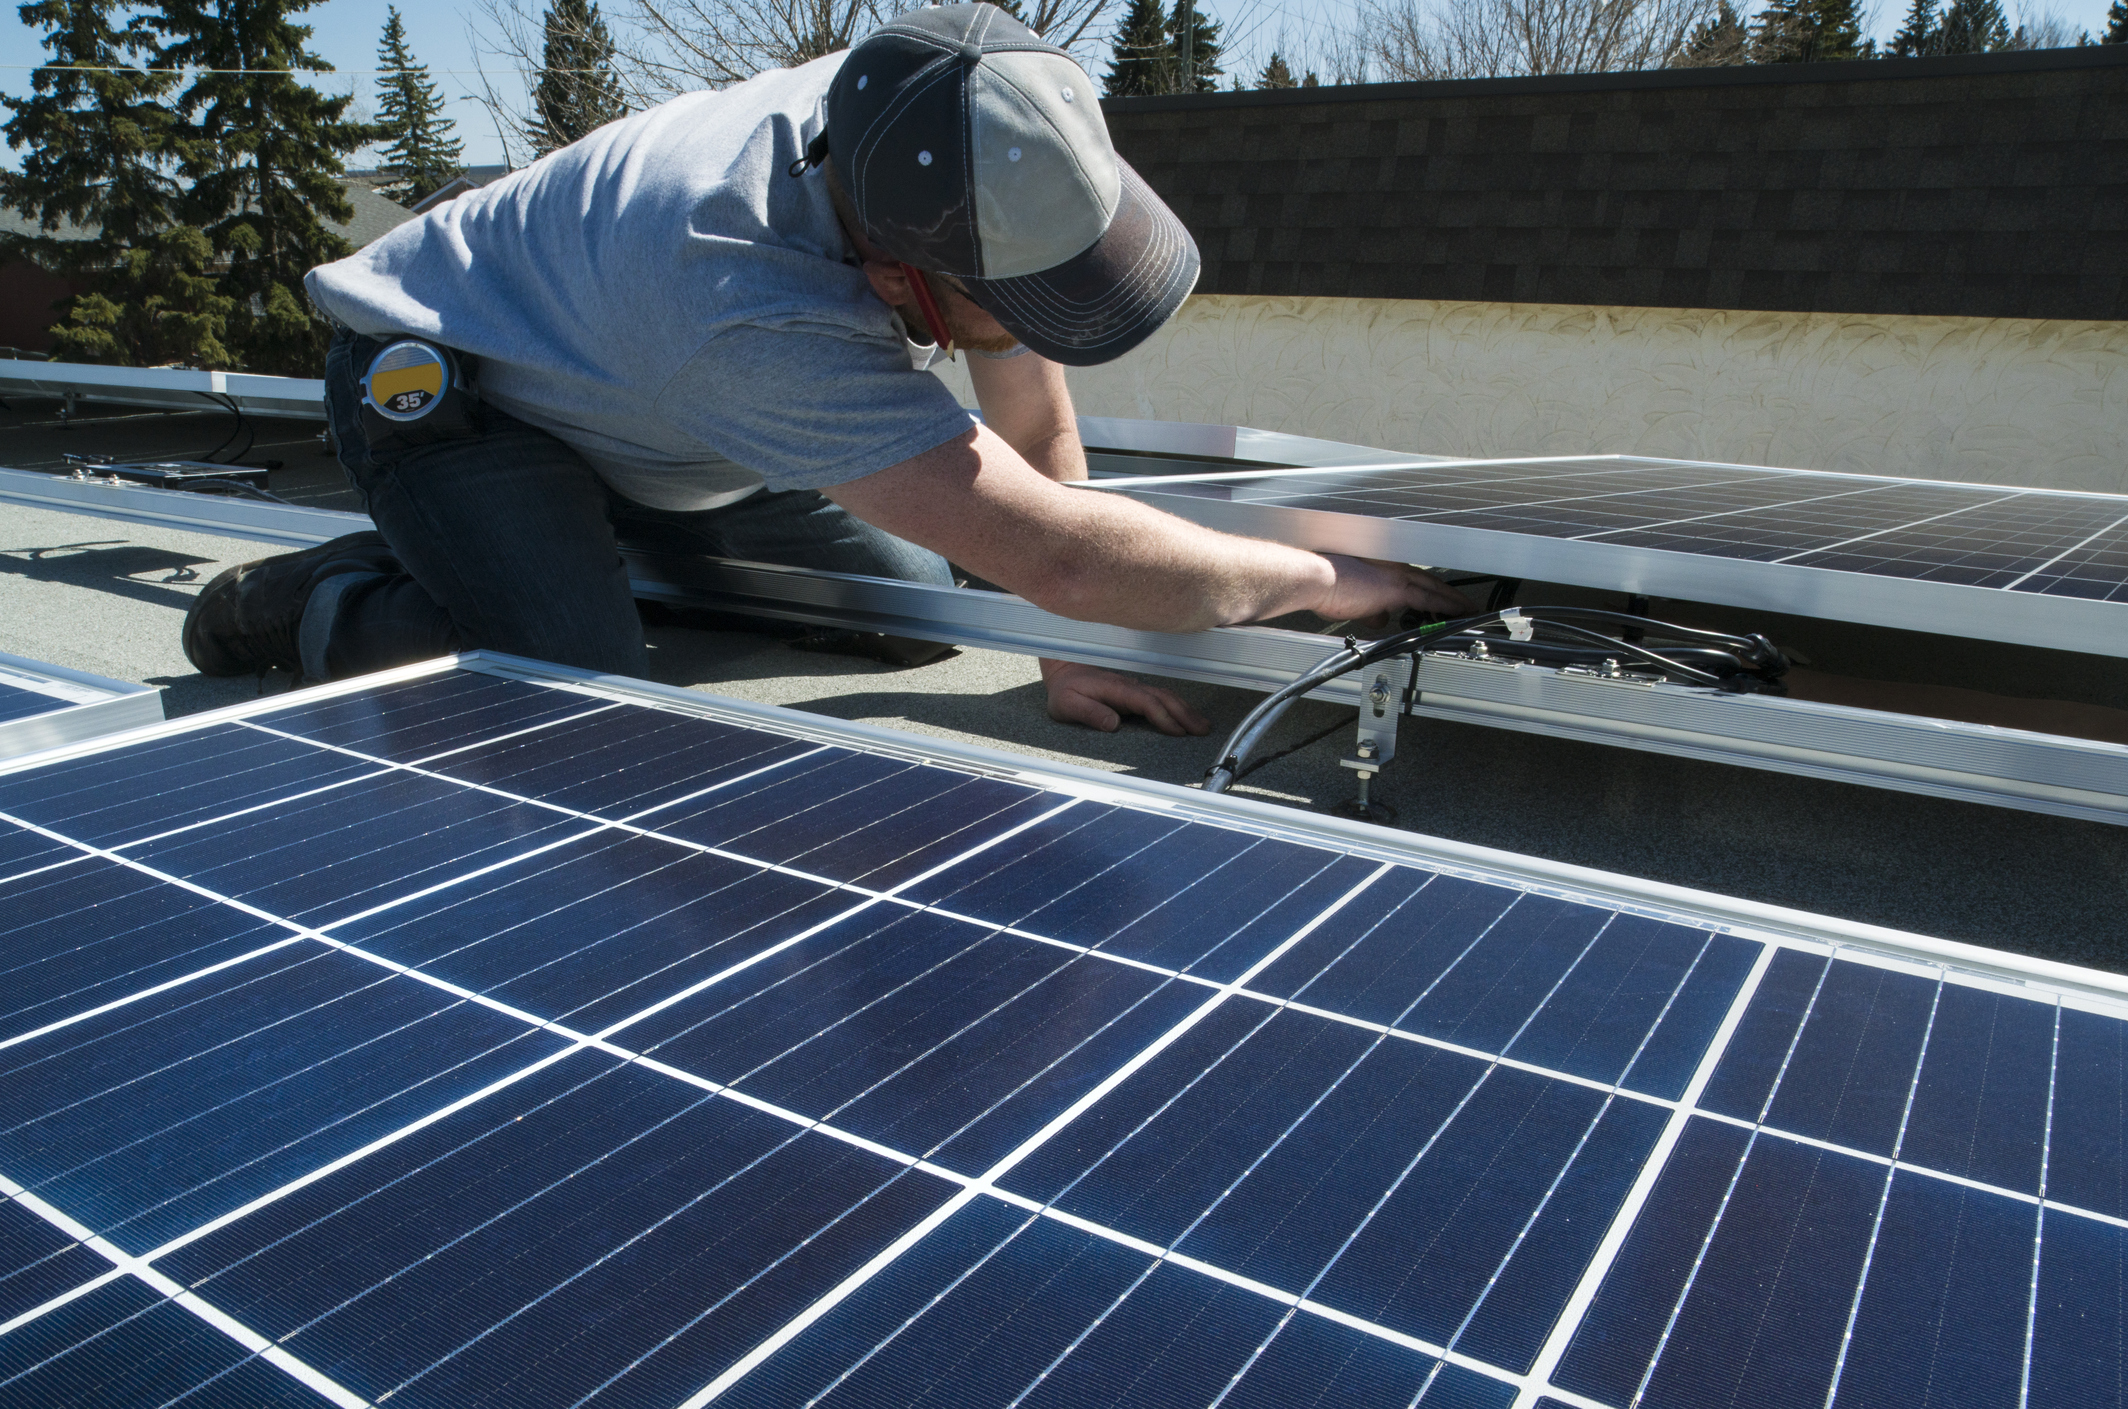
1026,401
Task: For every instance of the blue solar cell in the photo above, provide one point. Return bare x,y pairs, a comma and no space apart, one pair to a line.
18,703
1606,1006
1519,1309
1487,996
1314,1363
22,851
78,937
1763,1321
1624,1326
1224,924
1176,1340
123,1345
319,858
148,1120
1424,1259
591,1229
878,1345
38,1262
2085,1165
1291,1215
1060,1163
1980,1107
1673,1051
619,762
1157,1183
2079,1336
1191,881
1942,1319
111,798
854,816
910,1029
1759,1047
1082,847
1853,1066
600,928
1454,1387
1378,955
419,718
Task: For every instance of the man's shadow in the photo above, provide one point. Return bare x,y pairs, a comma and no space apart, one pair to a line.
110,565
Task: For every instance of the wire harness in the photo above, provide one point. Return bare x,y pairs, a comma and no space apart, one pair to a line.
1688,656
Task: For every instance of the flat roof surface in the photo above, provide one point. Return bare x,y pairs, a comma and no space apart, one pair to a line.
109,597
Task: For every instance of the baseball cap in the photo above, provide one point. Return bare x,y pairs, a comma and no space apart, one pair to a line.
970,146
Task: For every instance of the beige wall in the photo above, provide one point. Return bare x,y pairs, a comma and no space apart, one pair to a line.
1997,400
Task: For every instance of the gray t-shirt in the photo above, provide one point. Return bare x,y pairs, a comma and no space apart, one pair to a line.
664,297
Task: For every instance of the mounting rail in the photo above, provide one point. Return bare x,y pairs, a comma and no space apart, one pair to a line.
1968,762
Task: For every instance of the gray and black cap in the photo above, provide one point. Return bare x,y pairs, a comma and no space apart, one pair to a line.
971,147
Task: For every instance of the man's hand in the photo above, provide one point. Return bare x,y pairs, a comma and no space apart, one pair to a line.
1371,592
1097,698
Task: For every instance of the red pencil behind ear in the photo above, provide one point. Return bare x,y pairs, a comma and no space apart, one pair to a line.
928,306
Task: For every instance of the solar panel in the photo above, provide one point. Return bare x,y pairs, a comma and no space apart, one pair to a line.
453,1039
2037,565
43,706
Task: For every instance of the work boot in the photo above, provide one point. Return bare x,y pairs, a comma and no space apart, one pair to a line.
247,619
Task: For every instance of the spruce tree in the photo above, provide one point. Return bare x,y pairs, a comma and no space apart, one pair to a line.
1719,42
422,156
1974,27
1920,33
2116,24
96,136
1276,74
1201,44
1143,56
578,92
262,151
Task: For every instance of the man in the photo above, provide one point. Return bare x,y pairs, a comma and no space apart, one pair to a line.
702,328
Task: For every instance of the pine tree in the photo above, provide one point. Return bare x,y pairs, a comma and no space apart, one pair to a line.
1202,45
1780,32
1719,42
423,156
262,151
1920,33
1276,74
1974,27
96,140
1143,56
2116,24
578,92
1311,81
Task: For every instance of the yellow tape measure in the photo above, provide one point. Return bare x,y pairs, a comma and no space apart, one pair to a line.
406,380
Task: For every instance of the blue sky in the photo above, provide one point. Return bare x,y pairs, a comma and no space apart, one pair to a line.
347,32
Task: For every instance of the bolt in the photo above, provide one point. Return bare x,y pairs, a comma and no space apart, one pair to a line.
1366,748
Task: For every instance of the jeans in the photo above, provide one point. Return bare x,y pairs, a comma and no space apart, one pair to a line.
509,541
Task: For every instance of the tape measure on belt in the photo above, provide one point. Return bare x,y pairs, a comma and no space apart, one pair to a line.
408,379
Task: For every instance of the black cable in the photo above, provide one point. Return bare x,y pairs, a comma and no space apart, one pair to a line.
1317,737
243,427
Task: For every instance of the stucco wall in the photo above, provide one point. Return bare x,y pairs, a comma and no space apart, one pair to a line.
2009,401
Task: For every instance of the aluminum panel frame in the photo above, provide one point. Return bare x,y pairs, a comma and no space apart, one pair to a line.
90,706
167,388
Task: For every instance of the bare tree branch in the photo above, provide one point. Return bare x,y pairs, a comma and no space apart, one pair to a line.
1436,39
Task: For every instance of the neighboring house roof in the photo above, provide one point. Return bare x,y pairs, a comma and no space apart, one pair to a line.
451,191
374,216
